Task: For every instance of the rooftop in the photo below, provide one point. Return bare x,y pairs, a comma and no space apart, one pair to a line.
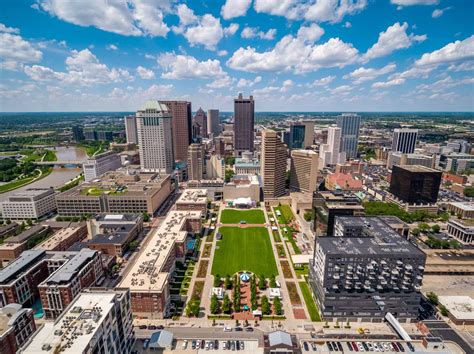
417,168
22,263
461,307
466,206
52,242
30,193
69,269
154,105
194,196
25,235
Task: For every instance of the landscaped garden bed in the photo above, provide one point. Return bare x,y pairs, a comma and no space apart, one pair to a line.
202,270
285,266
293,292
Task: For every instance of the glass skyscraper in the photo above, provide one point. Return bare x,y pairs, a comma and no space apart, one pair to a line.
350,126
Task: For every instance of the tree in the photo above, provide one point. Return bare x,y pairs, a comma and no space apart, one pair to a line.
273,283
8,222
227,282
132,246
146,217
423,227
277,306
228,175
265,305
433,298
261,282
415,232
29,222
217,280
469,192
226,305
192,309
229,160
308,216
443,310
214,304
435,228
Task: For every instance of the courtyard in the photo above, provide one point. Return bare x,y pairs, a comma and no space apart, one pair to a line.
234,216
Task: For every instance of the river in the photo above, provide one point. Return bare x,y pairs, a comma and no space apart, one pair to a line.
59,176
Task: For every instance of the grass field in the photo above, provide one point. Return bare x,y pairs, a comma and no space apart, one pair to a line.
232,216
244,249
310,304
286,214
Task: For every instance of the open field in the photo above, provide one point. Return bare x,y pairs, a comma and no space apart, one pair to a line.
244,249
232,216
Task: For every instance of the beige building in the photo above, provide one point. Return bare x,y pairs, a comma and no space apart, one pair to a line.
32,203
181,113
243,186
215,167
273,164
304,170
308,132
196,161
192,199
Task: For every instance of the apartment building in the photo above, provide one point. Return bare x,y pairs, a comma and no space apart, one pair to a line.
33,203
17,324
64,238
99,164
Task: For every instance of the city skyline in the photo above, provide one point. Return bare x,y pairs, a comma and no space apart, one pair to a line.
291,56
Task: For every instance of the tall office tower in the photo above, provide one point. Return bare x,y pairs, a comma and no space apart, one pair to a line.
200,119
404,140
350,126
330,153
182,122
131,129
244,111
415,184
297,136
213,122
78,133
273,167
304,170
308,133
215,167
155,137
196,162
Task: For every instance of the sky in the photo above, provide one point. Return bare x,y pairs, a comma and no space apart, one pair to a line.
291,55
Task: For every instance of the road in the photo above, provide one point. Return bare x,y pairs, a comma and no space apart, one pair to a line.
443,330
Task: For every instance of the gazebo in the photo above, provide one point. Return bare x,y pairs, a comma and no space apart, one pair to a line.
245,277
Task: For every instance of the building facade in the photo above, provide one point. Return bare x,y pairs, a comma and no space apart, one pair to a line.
200,123
181,124
273,164
462,230
297,136
97,165
244,111
304,171
308,133
155,137
131,129
213,122
330,153
404,140
196,161
247,164
16,326
350,127
32,203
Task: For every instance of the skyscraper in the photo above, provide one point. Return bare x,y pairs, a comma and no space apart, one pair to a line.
244,110
213,122
78,133
200,120
308,133
350,125
196,161
304,170
297,136
273,166
131,129
155,137
415,184
404,140
182,122
330,153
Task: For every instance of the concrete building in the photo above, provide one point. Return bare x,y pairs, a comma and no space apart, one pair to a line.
192,199
181,124
350,127
64,238
196,161
460,309
244,111
308,132
213,122
215,167
304,171
297,136
243,186
402,159
330,153
16,326
366,271
78,133
343,182
200,122
458,163
273,164
415,184
97,165
155,137
462,230
459,146
32,203
97,321
404,140
131,129
465,210
120,192
247,164
329,204
148,278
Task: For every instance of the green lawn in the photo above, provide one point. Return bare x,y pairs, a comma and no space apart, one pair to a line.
244,249
232,216
286,214
310,304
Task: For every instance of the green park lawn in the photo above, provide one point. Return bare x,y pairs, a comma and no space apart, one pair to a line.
232,216
244,249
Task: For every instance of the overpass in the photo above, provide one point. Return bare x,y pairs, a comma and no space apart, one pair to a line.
60,163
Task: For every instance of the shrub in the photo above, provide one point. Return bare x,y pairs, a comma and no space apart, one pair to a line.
265,305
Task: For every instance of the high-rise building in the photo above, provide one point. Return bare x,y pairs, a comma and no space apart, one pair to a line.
213,122
365,271
244,111
97,165
131,129
155,137
297,136
304,171
196,161
273,166
78,133
200,121
350,126
330,153
308,133
404,140
215,167
182,123
415,184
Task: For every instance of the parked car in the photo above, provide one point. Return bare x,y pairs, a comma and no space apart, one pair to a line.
329,345
242,346
238,329
224,345
227,329
349,346
339,346
193,344
142,326
305,346
145,343
185,344
216,344
411,347
249,329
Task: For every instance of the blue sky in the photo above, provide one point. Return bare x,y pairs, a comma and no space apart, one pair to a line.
292,55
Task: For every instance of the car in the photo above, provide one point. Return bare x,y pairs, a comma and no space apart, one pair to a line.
401,347
329,346
198,344
386,347
365,346
376,347
411,347
371,347
152,327
306,346
160,327
395,347
349,346
193,344
242,345
202,343
224,345
227,329
360,346
216,344
232,345
238,329
339,346
248,329
142,326
313,346
145,343
334,346
354,346
237,344
185,344
211,344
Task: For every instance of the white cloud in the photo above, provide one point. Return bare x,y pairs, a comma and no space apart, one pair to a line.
310,33
452,52
253,32
222,53
130,18
186,15
111,47
439,12
230,31
390,83
222,82
319,11
341,90
362,74
235,8
323,81
414,2
187,67
6,29
394,38
144,73
295,54
347,24
287,84
16,51
466,66
249,83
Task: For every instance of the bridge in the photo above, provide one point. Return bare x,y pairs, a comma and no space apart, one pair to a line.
60,163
